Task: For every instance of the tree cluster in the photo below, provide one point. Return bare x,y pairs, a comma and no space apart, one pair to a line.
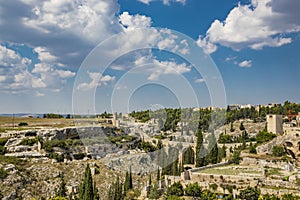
88,189
122,190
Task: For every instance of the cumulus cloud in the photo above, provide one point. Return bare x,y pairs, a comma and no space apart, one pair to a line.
97,79
9,58
131,22
165,2
167,67
147,63
51,76
245,63
16,73
255,25
89,20
44,55
60,30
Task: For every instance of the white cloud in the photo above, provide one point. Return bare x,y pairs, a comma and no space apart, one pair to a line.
61,31
2,78
228,59
65,73
25,80
200,80
52,77
256,25
167,67
134,21
38,94
165,2
97,79
9,58
44,55
19,76
89,20
145,1
245,63
207,46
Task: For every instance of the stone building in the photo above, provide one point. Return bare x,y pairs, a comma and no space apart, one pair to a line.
274,124
298,119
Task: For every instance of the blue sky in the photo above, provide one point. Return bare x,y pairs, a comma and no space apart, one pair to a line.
253,45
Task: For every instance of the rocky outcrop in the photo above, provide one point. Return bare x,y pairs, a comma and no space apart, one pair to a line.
289,141
139,163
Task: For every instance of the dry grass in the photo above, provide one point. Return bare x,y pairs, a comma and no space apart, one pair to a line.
10,123
229,170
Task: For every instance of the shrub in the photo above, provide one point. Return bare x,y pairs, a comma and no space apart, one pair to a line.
252,149
213,186
23,124
2,150
264,136
79,156
236,157
286,178
278,151
29,141
3,173
12,160
49,144
250,193
3,141
147,146
193,190
57,157
175,189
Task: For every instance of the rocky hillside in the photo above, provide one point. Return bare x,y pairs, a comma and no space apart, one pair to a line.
39,178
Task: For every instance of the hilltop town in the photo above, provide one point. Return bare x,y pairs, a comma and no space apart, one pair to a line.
242,152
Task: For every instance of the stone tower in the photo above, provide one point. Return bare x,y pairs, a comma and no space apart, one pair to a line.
274,124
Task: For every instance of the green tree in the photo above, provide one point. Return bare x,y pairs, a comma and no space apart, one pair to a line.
193,190
278,151
236,157
188,156
96,192
62,190
242,127
264,136
222,153
250,193
86,190
231,127
252,149
128,182
224,138
154,192
3,173
200,151
158,174
208,195
175,189
150,179
213,147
